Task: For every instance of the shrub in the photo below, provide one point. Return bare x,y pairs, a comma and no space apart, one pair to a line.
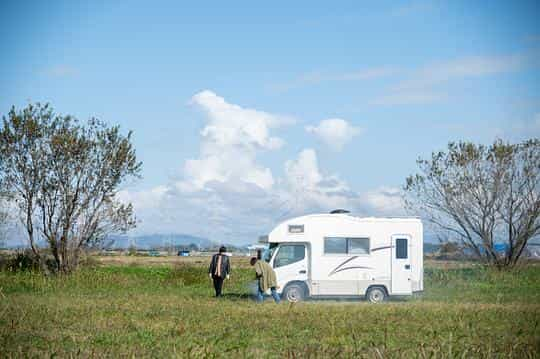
25,260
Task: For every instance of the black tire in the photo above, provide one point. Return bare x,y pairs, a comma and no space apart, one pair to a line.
294,293
376,295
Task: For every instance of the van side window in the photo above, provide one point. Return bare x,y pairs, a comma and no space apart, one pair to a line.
401,248
335,245
346,245
288,254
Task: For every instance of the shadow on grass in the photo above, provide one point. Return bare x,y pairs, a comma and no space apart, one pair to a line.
237,296
352,299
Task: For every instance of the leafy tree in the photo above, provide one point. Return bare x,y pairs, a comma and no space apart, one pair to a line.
486,195
63,176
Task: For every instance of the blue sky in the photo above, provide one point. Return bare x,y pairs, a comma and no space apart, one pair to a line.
245,114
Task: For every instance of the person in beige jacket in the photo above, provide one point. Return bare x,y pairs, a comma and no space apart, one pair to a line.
266,279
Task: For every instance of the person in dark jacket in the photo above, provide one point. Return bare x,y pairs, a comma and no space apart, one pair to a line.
219,269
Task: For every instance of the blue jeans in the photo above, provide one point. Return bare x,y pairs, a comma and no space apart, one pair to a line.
260,294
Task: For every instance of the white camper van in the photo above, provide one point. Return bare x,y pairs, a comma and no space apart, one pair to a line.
337,254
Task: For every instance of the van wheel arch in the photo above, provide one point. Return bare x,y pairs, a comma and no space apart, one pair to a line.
304,287
373,293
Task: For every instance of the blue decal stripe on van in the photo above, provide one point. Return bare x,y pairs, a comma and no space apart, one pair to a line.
379,248
347,268
341,265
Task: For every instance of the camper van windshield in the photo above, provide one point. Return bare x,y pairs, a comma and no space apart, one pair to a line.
267,255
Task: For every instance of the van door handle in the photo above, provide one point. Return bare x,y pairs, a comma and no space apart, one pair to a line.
303,271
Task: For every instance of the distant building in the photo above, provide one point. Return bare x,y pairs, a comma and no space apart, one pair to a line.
183,253
255,249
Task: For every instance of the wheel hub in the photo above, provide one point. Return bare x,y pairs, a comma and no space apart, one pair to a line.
376,296
292,295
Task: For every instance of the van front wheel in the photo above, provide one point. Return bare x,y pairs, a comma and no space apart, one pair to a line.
294,293
376,295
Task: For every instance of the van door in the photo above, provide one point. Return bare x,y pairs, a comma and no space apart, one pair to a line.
290,263
401,265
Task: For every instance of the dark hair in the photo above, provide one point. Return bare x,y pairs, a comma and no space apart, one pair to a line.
222,249
253,260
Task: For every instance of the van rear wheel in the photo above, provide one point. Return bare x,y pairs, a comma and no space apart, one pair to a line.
376,295
294,293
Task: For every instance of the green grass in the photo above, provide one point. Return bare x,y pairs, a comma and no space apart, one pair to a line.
478,284
162,311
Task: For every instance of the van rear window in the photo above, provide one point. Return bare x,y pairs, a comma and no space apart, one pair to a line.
401,248
358,245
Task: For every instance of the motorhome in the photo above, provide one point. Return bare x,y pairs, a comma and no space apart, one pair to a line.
338,254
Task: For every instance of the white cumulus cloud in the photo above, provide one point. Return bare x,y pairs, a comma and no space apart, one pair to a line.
230,141
308,189
238,212
226,194
385,200
334,132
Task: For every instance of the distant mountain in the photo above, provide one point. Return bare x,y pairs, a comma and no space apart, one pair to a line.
149,241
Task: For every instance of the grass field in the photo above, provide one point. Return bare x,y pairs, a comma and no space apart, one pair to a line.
164,308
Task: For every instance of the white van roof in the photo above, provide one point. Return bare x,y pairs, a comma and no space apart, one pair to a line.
301,220
357,218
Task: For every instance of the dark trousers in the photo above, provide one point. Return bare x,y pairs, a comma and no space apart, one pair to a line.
218,285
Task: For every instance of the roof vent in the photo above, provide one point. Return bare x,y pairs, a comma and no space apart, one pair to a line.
339,211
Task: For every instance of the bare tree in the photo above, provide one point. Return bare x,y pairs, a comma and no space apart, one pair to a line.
64,176
4,213
484,195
